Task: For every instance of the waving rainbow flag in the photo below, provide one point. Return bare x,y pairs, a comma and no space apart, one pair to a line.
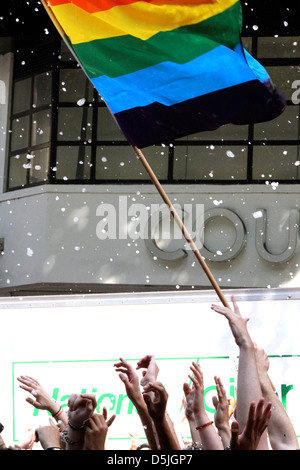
167,68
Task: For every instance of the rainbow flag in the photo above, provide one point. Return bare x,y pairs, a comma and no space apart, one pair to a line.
167,68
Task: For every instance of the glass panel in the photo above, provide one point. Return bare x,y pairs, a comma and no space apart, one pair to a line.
18,171
22,96
39,165
65,53
75,124
211,163
275,162
283,78
285,127
41,127
42,89
228,132
108,129
74,86
20,133
282,47
247,43
73,163
121,163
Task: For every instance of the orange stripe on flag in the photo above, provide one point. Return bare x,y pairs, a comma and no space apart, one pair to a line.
100,5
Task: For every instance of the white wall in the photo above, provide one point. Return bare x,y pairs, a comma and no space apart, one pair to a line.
101,328
50,236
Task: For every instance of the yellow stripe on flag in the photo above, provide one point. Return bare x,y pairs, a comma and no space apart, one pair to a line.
139,19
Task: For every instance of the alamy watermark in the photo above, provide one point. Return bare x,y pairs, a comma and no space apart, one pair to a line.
136,221
296,94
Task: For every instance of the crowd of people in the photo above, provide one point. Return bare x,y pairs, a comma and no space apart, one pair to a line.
257,422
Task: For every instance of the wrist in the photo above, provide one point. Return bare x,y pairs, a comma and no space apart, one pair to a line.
201,419
77,427
53,442
224,428
138,402
54,408
246,343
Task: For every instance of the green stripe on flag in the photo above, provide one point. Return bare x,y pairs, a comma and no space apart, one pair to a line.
110,56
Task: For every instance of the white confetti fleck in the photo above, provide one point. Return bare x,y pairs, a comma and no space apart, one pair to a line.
257,214
217,203
81,102
29,252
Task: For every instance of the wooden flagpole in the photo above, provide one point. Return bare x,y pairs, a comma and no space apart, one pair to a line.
180,223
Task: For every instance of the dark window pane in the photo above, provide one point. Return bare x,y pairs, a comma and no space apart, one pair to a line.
39,166
74,86
18,171
275,162
108,129
281,47
210,163
285,127
22,96
41,127
73,163
75,124
20,133
284,77
121,163
42,89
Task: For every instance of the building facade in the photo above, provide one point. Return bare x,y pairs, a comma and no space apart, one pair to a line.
78,213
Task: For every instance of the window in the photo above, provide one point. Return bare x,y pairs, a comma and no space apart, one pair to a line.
62,132
31,126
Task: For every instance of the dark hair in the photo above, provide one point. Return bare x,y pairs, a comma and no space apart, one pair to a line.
143,446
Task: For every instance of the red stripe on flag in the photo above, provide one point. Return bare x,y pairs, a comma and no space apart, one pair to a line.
100,5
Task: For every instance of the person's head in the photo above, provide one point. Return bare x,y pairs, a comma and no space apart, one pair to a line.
143,447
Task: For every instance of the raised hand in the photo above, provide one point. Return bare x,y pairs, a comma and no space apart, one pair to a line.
48,436
237,323
207,434
150,375
42,401
222,415
130,379
81,408
195,394
221,405
257,423
156,406
96,429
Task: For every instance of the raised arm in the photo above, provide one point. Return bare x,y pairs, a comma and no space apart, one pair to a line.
187,404
281,432
248,384
208,435
256,425
157,410
131,381
81,408
150,374
96,429
151,371
49,436
221,417
42,401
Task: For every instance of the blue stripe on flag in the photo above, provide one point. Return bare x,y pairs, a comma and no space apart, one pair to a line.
170,83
